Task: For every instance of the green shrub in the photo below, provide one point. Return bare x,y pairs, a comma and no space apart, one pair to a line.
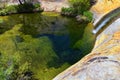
77,7
89,15
8,10
11,9
37,5
29,7
26,7
80,5
3,12
68,11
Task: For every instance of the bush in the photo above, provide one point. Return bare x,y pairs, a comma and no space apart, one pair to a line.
3,12
68,11
11,9
29,7
8,10
89,15
80,5
26,7
37,5
77,7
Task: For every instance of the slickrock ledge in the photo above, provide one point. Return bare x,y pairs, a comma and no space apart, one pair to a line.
103,7
103,63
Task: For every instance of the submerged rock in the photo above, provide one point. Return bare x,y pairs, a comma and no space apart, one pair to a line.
81,18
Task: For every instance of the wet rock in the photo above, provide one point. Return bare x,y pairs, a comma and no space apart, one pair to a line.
81,18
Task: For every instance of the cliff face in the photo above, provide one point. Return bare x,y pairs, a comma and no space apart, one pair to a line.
103,63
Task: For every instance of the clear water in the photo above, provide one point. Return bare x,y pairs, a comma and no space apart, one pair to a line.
45,43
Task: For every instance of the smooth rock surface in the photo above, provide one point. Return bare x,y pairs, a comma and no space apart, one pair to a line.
102,7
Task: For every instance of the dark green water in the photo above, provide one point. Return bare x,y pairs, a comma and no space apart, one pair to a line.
43,44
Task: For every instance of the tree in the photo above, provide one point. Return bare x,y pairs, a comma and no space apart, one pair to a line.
20,1
25,1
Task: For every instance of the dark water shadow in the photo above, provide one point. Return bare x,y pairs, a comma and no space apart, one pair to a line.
62,48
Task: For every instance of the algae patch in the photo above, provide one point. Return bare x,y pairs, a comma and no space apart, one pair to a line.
40,46
28,53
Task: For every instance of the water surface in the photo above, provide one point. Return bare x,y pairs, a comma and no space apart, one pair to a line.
45,44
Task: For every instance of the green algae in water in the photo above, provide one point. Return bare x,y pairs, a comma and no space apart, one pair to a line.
36,52
50,14
1,20
87,42
41,44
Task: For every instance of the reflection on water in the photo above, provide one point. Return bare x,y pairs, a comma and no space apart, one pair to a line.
49,44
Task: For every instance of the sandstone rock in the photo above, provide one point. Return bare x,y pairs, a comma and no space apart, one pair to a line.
103,7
